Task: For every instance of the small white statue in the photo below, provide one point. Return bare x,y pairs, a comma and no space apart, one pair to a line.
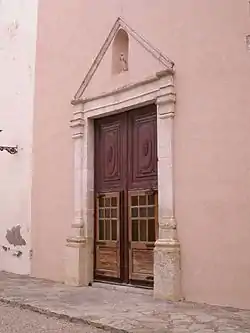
124,63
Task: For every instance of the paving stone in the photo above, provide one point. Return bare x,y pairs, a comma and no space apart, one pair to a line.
119,311
204,318
196,327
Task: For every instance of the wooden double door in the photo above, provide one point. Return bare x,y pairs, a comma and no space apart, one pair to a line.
126,196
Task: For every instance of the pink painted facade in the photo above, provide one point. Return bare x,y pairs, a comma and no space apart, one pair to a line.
206,41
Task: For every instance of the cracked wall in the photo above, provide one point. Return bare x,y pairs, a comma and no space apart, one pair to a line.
18,20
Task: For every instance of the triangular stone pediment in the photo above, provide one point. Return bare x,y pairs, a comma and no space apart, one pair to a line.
143,61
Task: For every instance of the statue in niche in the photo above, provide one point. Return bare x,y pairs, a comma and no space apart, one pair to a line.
123,62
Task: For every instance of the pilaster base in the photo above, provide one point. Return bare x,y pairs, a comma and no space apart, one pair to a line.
78,262
167,273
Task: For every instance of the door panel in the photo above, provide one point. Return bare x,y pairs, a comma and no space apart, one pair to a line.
108,235
142,206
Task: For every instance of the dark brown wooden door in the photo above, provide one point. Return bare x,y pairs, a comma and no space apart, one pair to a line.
126,196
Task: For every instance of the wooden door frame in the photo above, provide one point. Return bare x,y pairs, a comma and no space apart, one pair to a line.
158,89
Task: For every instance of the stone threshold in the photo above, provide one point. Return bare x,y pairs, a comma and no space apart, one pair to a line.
125,288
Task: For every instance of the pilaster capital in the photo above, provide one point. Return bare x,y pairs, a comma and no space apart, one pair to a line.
77,122
76,241
166,100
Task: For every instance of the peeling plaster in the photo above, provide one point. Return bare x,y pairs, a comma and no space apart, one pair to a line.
14,236
15,253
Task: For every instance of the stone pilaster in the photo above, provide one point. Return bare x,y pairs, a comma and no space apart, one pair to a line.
167,274
76,270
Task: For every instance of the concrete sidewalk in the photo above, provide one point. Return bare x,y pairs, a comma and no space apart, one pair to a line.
118,311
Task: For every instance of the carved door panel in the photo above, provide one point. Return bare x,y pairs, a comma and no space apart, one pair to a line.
110,153
142,148
126,195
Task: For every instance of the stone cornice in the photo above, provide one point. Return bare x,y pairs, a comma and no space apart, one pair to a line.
157,76
157,89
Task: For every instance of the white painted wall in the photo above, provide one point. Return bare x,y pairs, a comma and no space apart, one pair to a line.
18,22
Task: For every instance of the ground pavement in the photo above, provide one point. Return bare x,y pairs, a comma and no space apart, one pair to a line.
16,320
119,311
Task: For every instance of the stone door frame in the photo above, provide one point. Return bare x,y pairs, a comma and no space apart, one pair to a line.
79,257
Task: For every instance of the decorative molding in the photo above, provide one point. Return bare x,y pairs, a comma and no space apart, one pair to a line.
168,243
118,103
148,80
121,24
166,101
157,89
77,124
77,241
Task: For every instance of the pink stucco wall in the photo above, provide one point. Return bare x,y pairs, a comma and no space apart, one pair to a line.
205,39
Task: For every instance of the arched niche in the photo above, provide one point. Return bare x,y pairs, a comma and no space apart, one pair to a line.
120,52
